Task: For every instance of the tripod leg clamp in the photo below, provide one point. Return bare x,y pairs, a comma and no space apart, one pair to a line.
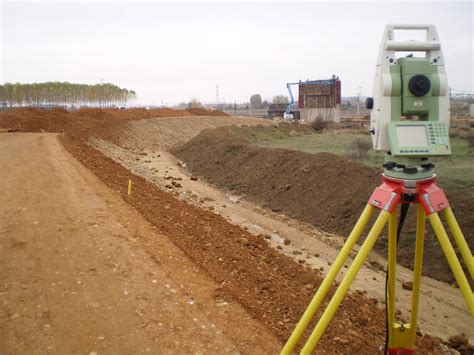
433,199
385,197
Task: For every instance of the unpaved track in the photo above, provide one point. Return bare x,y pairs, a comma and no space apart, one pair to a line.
81,271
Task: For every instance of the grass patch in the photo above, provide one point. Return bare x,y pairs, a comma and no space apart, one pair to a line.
455,170
336,142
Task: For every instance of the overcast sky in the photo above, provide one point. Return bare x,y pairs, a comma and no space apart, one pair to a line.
170,52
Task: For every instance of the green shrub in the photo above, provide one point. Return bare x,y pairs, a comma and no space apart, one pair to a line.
319,124
358,149
470,140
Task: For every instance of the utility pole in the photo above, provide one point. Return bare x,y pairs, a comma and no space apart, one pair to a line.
358,100
217,96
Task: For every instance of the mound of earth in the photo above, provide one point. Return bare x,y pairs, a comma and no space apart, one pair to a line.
159,133
34,120
323,189
60,120
204,112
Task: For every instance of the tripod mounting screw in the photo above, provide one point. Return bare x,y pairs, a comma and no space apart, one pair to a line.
390,165
410,170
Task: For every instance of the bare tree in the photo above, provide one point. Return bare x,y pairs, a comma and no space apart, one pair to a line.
194,103
280,100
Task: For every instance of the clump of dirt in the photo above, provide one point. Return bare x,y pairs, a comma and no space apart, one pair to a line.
323,189
461,344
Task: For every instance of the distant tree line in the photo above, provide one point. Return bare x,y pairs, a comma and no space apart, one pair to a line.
256,101
64,94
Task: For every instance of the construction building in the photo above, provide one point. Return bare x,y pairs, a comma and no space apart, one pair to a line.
317,99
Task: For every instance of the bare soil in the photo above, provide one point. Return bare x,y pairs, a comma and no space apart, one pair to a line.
82,272
323,189
301,241
59,120
167,133
271,287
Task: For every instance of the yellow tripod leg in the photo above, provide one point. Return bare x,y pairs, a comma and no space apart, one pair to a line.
460,240
417,268
403,336
392,262
328,280
346,282
453,261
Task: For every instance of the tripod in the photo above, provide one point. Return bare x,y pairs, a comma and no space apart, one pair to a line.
430,200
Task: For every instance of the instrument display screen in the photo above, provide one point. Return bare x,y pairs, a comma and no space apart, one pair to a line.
412,136
415,138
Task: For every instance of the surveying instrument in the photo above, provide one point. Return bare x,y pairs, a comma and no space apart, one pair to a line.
410,121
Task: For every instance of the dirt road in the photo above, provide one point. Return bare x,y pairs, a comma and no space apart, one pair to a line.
82,272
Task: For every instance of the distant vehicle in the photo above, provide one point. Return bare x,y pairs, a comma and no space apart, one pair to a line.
121,107
278,110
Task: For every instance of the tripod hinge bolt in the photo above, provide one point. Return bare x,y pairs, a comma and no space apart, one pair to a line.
390,165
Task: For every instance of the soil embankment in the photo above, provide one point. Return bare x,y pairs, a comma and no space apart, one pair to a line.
323,189
168,132
103,122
